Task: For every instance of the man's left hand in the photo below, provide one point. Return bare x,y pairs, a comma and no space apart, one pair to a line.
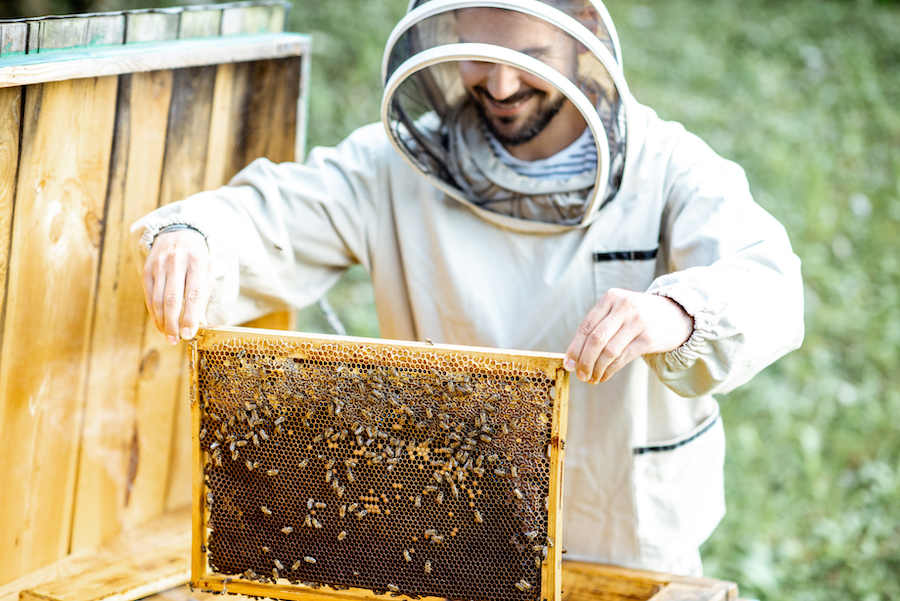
621,327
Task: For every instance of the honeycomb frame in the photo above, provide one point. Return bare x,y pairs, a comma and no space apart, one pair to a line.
475,371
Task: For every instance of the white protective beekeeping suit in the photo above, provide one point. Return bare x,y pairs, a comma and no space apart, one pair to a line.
464,250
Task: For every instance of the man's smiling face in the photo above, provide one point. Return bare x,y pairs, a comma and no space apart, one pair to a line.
515,105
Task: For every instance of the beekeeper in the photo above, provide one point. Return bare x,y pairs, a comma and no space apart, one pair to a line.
517,196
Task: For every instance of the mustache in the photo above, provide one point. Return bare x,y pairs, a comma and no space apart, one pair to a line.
516,98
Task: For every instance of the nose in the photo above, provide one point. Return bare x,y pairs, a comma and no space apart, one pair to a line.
503,81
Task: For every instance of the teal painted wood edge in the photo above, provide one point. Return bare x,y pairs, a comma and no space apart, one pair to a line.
149,56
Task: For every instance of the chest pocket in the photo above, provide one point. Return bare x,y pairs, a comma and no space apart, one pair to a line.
629,269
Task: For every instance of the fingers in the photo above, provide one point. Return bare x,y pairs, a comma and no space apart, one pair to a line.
196,296
177,284
610,337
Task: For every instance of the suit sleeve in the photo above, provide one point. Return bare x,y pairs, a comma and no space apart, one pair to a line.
731,267
281,235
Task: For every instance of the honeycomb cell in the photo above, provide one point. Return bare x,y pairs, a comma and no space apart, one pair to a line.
347,464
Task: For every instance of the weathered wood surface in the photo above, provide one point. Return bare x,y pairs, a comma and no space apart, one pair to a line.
75,32
131,566
151,26
57,228
10,120
110,440
163,381
13,38
148,56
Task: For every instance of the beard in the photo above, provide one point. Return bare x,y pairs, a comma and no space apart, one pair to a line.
533,124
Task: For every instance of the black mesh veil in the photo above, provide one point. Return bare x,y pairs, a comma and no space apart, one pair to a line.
434,117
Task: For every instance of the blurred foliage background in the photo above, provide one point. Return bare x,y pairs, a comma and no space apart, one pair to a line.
804,94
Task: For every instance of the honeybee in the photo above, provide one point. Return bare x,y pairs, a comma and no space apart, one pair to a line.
249,465
394,588
478,517
500,472
265,510
287,529
213,445
523,585
308,521
316,523
272,472
362,514
518,493
418,501
353,507
428,566
278,564
309,559
303,463
514,472
342,535
320,505
350,477
296,565
202,433
407,556
440,498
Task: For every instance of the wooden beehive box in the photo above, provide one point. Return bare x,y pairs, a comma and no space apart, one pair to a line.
102,119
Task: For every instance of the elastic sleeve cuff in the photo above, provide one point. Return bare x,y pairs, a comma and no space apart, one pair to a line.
687,354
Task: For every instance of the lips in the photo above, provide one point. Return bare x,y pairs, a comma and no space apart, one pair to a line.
507,107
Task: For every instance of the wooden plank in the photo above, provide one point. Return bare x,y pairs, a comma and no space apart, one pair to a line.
253,19
162,388
132,566
551,582
685,592
148,56
151,26
10,120
584,581
13,39
203,23
108,455
56,235
76,32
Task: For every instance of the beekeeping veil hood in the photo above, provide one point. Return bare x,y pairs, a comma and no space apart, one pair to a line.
441,129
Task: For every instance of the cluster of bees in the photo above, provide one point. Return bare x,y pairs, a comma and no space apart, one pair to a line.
443,463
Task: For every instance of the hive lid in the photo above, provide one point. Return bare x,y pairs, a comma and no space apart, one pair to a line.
326,464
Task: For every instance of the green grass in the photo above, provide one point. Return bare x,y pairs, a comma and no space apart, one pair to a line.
805,96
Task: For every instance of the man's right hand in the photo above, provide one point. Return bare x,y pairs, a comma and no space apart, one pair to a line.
177,283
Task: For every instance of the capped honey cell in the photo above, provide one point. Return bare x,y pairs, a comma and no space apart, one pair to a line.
392,468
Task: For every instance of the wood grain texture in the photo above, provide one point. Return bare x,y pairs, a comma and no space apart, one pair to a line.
584,581
13,38
76,32
148,56
151,27
253,19
56,236
105,475
200,23
162,388
131,566
552,568
10,121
